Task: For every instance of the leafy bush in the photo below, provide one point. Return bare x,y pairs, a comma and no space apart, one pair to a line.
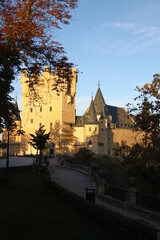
84,156
138,161
114,172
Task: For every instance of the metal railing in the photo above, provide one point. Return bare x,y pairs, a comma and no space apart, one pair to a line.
147,201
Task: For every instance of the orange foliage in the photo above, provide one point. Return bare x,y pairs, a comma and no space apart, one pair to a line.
27,42
28,27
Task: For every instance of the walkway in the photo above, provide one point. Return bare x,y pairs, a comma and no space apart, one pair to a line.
77,182
16,161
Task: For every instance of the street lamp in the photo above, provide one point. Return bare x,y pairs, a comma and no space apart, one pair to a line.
7,162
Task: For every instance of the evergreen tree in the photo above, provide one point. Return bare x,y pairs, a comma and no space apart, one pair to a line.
39,141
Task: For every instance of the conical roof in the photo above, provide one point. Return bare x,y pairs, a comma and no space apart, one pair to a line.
91,114
104,113
16,111
99,102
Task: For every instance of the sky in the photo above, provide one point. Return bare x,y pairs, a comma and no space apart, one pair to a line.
114,42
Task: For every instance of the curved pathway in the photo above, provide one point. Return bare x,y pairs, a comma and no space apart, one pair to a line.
74,181
77,182
16,161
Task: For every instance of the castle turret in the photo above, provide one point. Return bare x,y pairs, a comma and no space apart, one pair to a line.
99,103
17,112
91,117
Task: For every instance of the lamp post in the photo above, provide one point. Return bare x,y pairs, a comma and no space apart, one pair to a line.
7,162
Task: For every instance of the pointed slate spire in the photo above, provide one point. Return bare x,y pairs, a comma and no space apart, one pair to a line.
91,114
99,101
104,113
17,112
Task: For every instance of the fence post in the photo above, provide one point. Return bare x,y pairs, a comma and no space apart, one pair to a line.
133,196
158,233
100,185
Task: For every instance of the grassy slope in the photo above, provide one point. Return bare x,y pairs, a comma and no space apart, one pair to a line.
30,210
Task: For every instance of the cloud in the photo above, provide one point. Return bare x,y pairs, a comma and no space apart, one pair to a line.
119,25
124,38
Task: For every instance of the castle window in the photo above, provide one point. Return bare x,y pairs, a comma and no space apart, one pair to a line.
90,142
50,125
31,109
40,109
71,125
89,129
50,109
32,120
95,129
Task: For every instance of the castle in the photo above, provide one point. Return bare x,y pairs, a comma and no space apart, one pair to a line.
100,128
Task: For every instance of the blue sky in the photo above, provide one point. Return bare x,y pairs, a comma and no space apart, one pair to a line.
116,42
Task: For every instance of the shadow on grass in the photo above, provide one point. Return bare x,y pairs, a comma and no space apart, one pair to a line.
32,207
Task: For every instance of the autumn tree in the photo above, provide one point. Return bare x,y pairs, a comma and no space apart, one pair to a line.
147,118
143,159
27,41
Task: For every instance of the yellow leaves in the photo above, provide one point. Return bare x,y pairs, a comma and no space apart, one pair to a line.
146,86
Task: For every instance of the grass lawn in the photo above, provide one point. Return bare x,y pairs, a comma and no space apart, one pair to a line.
30,210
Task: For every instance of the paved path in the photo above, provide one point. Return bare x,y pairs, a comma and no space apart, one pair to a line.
77,182
16,161
74,181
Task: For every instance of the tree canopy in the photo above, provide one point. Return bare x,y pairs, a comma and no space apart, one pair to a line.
39,139
143,158
147,112
27,40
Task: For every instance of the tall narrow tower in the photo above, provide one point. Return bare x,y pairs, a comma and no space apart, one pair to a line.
55,110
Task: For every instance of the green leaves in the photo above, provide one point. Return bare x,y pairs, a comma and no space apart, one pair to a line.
39,139
147,112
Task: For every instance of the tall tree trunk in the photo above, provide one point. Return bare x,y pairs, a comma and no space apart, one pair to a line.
40,157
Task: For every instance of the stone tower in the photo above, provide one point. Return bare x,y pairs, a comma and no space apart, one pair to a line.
55,110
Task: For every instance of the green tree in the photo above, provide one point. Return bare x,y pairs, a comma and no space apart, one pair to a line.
147,120
3,145
142,159
10,113
39,141
84,156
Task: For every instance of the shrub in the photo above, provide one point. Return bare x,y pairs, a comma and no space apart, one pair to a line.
84,156
114,171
